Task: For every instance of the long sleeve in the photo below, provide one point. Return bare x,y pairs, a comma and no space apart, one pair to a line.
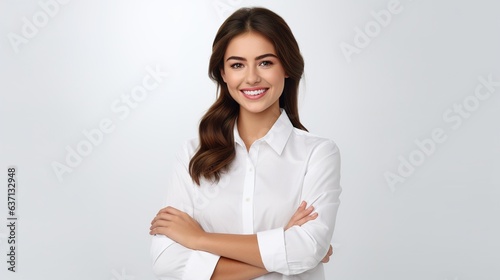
170,259
301,248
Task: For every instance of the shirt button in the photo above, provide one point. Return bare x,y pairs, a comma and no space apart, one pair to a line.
247,199
250,169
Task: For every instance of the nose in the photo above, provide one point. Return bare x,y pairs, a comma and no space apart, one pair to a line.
252,76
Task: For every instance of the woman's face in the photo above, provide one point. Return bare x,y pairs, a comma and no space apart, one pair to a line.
253,73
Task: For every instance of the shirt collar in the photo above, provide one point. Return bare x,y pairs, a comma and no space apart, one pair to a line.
276,137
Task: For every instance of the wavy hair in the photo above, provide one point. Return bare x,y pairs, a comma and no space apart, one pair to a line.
216,149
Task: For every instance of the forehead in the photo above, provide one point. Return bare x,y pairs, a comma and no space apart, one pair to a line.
249,45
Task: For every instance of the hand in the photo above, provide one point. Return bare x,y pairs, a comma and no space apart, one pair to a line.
328,254
302,216
177,226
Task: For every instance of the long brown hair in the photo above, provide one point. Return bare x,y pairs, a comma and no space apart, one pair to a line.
216,150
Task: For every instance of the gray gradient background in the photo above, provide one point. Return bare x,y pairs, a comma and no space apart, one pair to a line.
442,223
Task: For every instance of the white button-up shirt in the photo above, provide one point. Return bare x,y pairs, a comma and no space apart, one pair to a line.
259,194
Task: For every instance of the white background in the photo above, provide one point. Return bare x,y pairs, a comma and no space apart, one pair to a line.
440,223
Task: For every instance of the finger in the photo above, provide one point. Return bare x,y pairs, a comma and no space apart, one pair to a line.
170,209
302,212
164,216
159,230
325,259
160,223
301,218
306,219
162,210
308,210
300,209
302,205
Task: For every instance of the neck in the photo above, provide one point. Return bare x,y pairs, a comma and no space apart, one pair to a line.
252,126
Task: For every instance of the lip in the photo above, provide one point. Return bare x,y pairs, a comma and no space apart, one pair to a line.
253,90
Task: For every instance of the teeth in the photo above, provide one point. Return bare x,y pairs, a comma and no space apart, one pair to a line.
254,92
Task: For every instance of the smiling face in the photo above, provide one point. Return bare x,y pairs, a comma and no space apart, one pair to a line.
253,73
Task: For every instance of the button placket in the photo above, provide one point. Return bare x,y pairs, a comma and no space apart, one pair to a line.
248,192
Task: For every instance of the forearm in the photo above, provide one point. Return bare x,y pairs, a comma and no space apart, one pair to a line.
243,248
236,270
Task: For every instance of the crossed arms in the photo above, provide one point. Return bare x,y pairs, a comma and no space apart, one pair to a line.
293,249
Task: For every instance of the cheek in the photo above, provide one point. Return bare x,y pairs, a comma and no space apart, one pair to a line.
276,76
278,80
232,81
232,85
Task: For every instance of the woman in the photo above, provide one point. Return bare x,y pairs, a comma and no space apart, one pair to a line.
232,203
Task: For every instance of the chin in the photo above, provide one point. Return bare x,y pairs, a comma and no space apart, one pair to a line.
257,109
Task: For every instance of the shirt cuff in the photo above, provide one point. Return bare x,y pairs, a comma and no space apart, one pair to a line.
272,250
201,265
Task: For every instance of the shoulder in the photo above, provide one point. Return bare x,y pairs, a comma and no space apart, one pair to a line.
319,153
186,151
190,146
313,143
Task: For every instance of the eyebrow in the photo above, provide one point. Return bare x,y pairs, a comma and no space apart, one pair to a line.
257,58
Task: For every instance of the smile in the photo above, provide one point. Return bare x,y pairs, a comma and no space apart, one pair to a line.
254,93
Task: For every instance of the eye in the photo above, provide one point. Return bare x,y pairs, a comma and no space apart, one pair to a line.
266,63
236,65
